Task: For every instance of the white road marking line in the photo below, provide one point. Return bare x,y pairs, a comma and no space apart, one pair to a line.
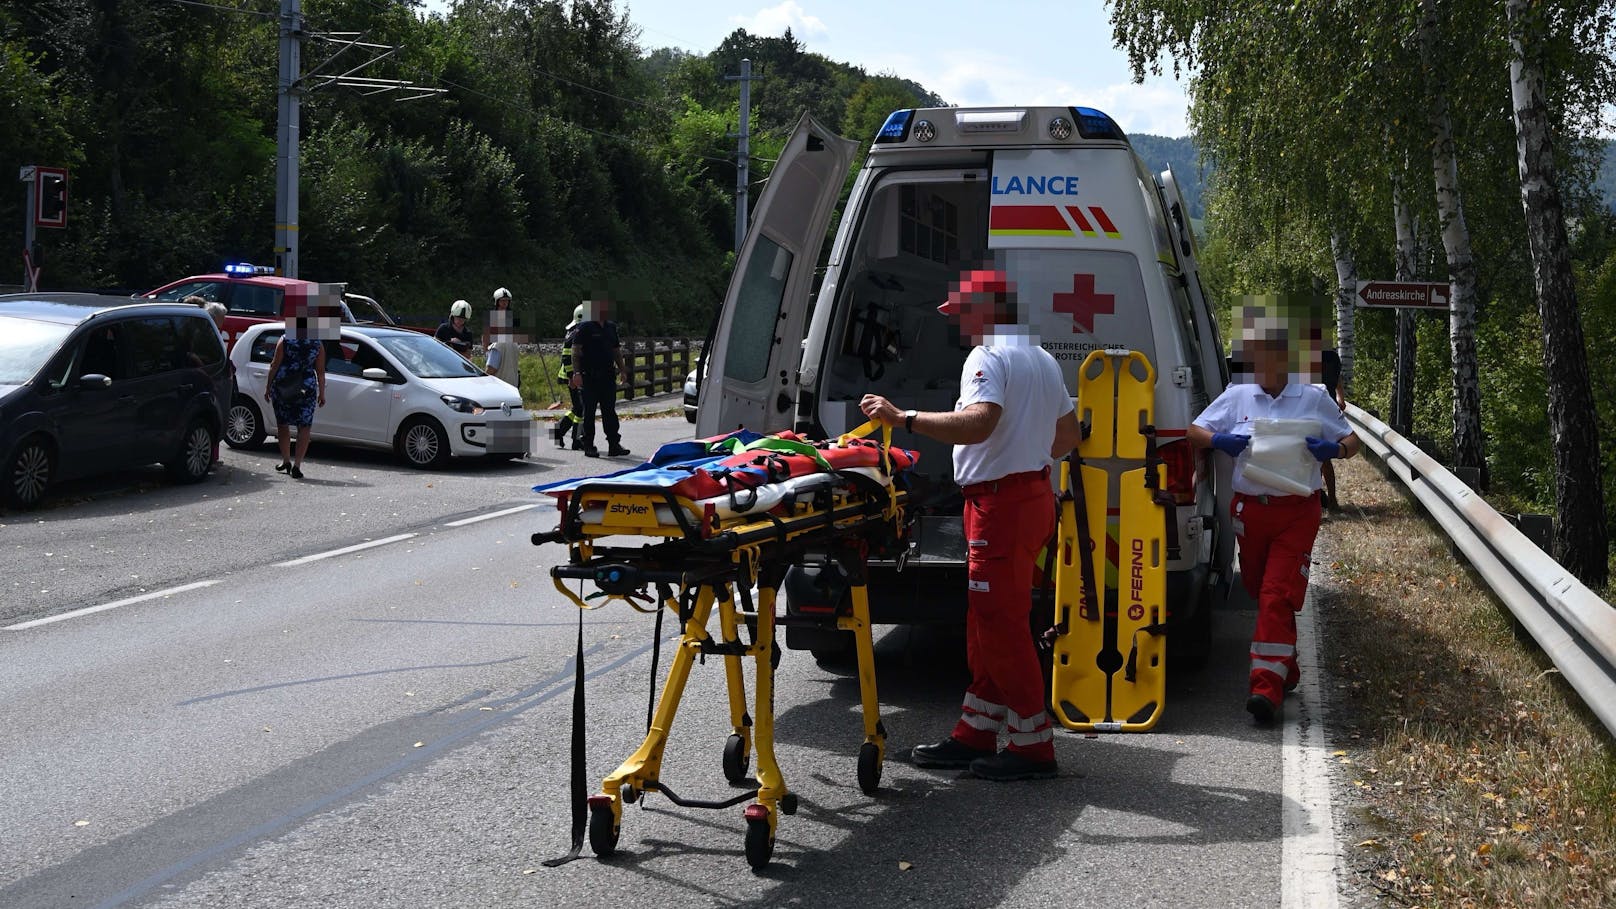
1308,856
492,515
20,626
357,547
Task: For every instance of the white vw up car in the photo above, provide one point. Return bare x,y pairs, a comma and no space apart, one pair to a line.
1102,254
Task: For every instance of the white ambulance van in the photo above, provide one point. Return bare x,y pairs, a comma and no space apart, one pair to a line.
1102,254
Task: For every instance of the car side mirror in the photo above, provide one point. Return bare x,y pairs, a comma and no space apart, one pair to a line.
375,374
95,380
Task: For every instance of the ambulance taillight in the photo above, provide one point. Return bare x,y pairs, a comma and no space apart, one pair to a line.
1179,456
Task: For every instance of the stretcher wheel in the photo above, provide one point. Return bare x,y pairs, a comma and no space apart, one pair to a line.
736,760
759,843
603,831
869,768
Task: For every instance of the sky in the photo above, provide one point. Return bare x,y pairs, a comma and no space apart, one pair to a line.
1013,52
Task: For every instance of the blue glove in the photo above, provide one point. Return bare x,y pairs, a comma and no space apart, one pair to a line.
1323,449
1229,443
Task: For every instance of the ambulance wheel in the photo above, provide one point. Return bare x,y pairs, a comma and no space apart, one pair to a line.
869,768
759,843
602,831
736,760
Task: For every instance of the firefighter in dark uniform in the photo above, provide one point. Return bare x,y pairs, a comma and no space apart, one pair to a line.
597,357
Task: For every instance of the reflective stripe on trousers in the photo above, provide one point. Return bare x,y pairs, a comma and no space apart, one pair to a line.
979,714
1276,547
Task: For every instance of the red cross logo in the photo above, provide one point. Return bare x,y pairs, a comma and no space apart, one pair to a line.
1083,303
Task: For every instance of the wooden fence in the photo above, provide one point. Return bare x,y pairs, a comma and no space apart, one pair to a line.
655,366
658,365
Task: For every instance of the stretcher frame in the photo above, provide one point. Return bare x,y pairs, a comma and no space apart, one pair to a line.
710,564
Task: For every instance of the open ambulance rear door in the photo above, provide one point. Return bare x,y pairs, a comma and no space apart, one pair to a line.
1214,365
752,366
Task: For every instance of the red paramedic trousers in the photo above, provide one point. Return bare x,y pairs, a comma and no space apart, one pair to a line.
1007,523
1276,548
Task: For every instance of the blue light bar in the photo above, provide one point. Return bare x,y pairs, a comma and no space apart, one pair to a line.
1094,124
243,269
896,129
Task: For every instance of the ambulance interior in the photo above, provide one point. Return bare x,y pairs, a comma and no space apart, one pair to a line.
888,338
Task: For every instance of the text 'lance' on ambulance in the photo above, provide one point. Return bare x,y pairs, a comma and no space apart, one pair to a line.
1035,185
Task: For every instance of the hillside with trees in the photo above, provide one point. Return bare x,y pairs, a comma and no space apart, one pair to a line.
563,156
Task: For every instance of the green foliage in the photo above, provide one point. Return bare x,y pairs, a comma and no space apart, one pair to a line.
1308,113
562,157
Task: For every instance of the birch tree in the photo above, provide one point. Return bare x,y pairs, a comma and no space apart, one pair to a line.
1468,448
1407,337
1580,541
1346,302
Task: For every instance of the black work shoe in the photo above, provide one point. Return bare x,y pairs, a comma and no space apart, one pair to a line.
1008,766
1261,709
949,754
591,452
617,451
283,467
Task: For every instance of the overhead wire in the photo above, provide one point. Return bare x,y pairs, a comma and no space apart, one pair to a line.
418,72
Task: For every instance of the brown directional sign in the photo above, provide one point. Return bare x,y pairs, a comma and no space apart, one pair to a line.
1403,294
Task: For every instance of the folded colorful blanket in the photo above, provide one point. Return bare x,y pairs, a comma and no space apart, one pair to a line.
737,465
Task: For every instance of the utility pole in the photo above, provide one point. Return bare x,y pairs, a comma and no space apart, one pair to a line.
743,152
290,96
30,269
293,83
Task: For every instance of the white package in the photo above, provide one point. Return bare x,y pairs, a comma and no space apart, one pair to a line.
1278,457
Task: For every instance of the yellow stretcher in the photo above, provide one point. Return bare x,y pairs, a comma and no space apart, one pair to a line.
705,565
1110,652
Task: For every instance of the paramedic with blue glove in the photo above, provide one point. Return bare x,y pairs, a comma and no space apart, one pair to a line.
1013,416
1275,530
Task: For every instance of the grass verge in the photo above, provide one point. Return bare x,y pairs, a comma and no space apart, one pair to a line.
1483,779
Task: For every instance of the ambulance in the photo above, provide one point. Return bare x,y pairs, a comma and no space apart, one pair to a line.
1103,257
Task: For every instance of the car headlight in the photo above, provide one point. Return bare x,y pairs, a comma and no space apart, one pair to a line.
462,405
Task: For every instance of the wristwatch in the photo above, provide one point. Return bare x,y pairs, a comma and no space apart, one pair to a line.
909,420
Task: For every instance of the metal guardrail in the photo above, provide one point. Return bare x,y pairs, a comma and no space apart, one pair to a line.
1571,623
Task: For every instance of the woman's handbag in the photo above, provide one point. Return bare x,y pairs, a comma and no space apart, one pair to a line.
289,386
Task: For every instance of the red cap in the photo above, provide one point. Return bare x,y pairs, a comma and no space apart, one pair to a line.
977,281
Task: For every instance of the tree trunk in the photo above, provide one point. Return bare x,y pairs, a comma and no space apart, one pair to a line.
1579,535
1346,298
1468,450
1407,337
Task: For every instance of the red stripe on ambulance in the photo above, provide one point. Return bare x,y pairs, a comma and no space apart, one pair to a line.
1027,217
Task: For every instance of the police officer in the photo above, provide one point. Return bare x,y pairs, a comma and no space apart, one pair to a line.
1275,530
1013,416
597,358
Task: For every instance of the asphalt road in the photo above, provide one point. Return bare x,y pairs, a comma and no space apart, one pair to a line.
390,727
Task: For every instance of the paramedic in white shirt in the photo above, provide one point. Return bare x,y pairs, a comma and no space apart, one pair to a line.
1275,529
1013,417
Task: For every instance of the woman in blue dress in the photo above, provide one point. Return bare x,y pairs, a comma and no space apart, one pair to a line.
295,386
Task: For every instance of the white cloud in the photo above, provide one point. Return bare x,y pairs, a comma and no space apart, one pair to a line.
774,20
976,79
